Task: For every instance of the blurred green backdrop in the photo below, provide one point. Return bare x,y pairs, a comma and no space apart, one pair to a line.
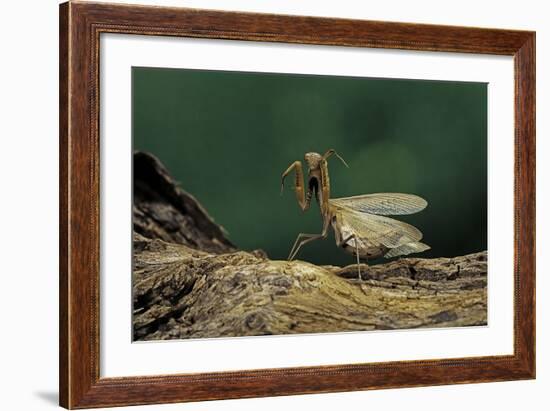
228,136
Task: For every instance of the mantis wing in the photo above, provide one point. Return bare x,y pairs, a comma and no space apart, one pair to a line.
376,229
383,203
406,249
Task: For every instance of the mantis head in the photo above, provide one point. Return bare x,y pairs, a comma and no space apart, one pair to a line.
314,160
314,163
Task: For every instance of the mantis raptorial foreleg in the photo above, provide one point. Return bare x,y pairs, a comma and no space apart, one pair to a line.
298,184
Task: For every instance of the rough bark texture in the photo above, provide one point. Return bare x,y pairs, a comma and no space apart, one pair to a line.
190,282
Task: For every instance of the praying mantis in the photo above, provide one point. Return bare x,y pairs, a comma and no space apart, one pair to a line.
360,224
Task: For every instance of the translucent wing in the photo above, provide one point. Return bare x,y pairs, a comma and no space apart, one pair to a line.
405,249
383,203
377,230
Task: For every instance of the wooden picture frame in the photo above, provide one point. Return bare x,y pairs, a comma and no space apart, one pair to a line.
80,27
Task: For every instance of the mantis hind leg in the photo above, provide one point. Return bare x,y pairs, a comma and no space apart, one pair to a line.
342,242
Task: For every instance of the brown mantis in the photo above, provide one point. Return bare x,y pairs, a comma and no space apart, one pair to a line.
360,224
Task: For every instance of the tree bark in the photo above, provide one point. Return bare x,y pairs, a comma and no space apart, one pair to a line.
189,281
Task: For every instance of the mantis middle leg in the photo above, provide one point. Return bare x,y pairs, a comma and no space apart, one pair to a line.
304,238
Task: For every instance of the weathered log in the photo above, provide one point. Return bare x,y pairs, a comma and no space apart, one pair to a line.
184,293
189,281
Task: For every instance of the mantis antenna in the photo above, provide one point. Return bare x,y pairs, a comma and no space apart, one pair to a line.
333,152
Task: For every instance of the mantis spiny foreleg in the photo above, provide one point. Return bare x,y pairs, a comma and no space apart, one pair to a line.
298,184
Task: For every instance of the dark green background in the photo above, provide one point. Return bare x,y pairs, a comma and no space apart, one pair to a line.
228,136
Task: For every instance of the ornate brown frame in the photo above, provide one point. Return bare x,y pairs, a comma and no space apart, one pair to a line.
80,27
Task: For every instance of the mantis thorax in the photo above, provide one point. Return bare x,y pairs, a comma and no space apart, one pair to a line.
318,180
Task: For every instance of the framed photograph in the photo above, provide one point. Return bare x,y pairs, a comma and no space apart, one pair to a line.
258,205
